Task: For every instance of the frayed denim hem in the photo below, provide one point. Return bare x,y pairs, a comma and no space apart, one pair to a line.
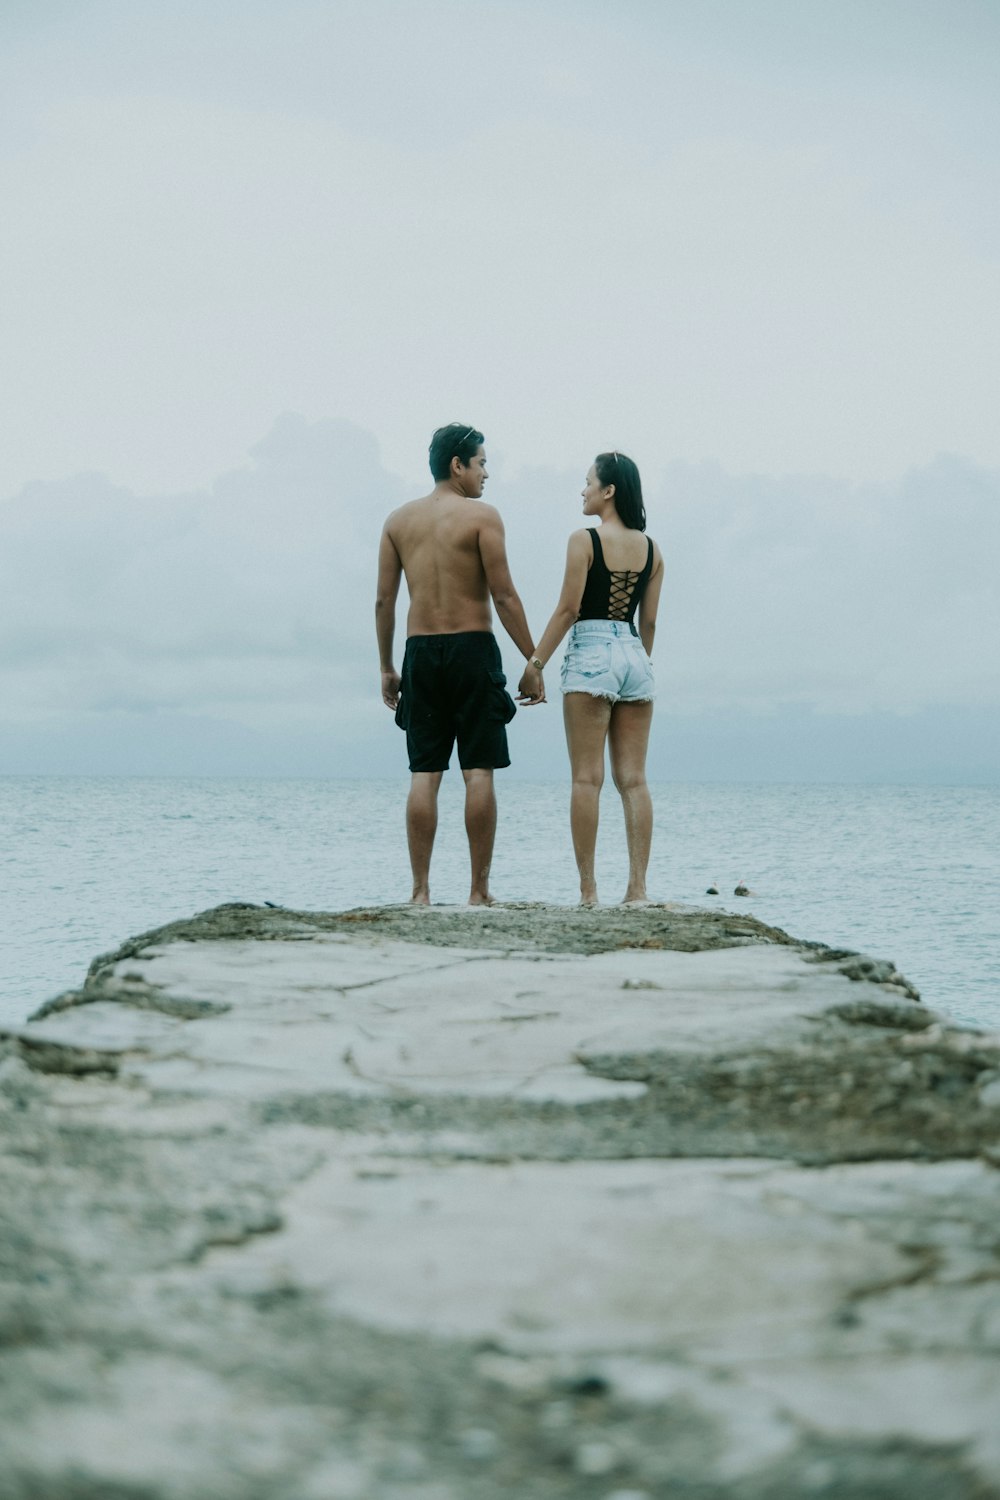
604,697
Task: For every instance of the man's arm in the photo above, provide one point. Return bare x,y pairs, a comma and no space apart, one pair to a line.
390,571
493,551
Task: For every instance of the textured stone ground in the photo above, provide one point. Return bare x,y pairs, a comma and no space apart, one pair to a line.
449,1205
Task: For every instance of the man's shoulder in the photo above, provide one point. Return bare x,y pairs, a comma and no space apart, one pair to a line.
409,510
487,513
471,515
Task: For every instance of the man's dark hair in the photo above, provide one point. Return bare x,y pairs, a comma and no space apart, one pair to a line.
457,440
617,469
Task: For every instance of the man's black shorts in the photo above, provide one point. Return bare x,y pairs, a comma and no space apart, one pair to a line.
453,687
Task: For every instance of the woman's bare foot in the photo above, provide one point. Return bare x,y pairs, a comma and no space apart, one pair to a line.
635,898
588,893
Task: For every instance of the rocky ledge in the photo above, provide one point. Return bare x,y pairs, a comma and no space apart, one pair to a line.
454,1205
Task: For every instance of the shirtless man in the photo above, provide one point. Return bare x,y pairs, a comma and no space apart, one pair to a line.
451,549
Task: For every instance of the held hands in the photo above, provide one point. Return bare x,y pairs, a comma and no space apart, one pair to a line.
390,689
531,688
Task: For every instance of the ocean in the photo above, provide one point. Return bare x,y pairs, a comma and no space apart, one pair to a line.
910,873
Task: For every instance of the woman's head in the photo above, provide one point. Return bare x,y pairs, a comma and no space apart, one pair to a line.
614,468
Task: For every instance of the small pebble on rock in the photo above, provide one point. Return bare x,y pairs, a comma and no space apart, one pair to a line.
595,1458
478,1443
557,1414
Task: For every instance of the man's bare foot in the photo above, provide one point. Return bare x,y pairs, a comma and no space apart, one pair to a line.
420,898
481,898
635,898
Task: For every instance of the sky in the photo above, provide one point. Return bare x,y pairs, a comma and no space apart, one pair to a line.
252,254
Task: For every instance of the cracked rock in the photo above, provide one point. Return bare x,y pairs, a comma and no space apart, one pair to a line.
614,1205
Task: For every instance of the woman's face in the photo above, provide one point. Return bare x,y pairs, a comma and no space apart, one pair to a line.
595,494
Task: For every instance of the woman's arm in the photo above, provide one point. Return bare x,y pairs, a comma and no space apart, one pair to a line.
650,602
579,555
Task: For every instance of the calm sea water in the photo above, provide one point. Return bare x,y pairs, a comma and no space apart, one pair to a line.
907,873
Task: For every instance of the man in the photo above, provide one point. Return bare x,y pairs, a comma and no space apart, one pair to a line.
451,548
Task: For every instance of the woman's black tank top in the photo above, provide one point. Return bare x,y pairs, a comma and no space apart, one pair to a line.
613,595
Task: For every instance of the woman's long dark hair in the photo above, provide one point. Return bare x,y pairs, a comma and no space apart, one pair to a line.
617,469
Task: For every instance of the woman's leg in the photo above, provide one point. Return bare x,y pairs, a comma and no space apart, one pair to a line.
586,720
628,737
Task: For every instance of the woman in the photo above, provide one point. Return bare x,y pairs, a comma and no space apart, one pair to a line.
607,677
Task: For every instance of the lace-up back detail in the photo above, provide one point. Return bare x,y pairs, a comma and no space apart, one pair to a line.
620,591
613,595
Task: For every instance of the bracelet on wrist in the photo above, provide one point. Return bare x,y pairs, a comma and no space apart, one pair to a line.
536,662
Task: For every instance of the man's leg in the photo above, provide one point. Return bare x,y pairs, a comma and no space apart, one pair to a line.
586,720
481,827
627,741
421,826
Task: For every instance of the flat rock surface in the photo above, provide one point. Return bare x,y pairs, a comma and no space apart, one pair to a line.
455,1204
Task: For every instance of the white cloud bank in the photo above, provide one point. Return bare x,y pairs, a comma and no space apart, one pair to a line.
231,630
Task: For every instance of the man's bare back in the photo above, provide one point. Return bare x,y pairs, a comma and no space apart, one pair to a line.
439,542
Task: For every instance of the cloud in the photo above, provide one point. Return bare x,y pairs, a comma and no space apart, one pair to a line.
252,599
804,590
846,598
250,605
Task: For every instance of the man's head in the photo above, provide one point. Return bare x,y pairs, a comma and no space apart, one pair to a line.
456,453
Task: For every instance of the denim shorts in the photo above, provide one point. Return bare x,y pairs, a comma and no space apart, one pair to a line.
606,659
